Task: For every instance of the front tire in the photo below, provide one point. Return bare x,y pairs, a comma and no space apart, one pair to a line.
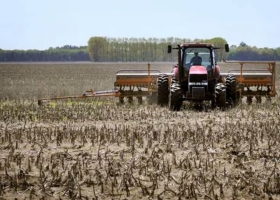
220,95
231,89
175,102
163,90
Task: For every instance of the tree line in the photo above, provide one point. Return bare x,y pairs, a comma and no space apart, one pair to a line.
103,49
141,49
245,52
65,53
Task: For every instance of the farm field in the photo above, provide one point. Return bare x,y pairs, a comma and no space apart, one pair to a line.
97,149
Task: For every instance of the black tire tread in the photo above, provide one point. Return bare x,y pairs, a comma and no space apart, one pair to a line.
175,101
220,95
231,89
163,90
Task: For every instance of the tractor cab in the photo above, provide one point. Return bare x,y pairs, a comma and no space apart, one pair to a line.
201,58
197,57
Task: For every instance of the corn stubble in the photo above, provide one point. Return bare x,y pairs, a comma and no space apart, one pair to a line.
97,149
89,151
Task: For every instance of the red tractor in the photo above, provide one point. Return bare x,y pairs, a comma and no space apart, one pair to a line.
196,78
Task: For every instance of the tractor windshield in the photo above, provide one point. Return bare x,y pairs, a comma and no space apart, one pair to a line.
197,56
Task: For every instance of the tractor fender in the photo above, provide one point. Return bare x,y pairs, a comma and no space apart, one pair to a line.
217,72
176,72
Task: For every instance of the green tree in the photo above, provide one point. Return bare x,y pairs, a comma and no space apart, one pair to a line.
97,47
218,42
243,44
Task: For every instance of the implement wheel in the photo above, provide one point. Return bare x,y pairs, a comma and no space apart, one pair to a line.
249,100
121,100
163,90
130,99
258,99
175,101
140,100
231,89
220,95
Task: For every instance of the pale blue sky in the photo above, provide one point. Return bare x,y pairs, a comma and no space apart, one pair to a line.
40,24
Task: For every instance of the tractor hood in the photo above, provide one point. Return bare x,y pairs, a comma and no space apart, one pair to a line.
198,69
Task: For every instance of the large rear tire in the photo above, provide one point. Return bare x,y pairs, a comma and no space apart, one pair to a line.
231,89
175,102
163,90
220,95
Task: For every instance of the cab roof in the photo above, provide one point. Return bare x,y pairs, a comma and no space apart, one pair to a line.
197,45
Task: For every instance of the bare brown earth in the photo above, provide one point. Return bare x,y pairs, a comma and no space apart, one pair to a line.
97,149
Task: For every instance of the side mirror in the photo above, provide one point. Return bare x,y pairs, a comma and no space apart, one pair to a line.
169,49
226,47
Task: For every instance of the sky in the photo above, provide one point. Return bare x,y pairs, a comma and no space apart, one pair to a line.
41,24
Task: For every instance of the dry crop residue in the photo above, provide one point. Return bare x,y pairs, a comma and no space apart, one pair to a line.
139,151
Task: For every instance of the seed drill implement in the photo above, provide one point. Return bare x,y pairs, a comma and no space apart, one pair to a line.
129,84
